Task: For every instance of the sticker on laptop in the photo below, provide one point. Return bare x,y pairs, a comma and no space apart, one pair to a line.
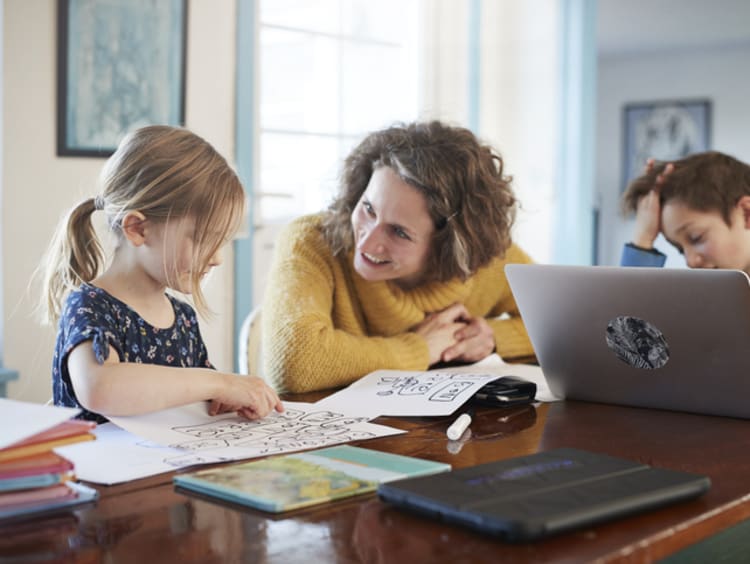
637,342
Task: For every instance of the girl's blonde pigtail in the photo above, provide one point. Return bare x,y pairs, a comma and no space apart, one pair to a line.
74,256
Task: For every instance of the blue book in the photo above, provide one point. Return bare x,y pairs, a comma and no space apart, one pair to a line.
29,482
291,481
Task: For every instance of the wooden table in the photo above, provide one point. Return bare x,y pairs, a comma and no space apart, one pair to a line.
147,521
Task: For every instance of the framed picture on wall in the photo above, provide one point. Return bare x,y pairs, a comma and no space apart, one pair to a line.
665,130
120,65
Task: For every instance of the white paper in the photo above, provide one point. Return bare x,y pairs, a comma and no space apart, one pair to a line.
432,392
401,393
20,420
166,440
118,456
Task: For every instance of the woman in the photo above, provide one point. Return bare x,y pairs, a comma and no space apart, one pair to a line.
404,269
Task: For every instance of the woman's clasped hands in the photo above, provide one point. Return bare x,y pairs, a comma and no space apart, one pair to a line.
453,334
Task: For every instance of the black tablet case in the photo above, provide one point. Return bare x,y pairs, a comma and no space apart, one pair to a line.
531,497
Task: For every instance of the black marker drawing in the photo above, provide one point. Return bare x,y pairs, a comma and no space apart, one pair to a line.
193,460
440,386
278,432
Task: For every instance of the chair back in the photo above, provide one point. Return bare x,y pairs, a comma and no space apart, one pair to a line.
249,353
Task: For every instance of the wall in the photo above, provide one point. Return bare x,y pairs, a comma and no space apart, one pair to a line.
38,186
719,74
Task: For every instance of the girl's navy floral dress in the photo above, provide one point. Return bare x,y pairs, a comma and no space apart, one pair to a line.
91,314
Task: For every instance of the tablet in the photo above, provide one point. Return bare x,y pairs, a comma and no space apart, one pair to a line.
531,497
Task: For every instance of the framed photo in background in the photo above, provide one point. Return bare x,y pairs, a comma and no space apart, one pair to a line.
665,130
120,65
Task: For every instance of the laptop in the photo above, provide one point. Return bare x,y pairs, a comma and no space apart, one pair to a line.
532,497
663,338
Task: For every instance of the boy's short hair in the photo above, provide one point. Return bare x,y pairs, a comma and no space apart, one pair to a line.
707,182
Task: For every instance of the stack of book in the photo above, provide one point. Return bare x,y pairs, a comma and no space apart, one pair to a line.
34,479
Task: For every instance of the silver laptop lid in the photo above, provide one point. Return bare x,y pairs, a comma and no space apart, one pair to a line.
649,337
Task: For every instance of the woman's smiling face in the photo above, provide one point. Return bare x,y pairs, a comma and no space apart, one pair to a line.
392,230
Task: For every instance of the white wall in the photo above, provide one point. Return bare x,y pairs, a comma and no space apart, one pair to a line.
38,186
720,74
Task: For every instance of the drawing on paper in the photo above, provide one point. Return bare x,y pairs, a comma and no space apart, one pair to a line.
440,386
183,459
278,432
192,459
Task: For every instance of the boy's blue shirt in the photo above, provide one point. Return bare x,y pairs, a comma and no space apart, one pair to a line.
636,256
91,314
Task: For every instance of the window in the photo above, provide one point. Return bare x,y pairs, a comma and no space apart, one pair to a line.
330,71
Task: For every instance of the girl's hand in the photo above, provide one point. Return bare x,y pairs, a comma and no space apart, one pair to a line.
249,396
476,340
440,329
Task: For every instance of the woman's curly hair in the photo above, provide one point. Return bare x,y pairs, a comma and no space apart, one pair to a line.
468,198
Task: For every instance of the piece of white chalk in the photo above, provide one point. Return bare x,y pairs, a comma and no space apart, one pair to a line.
458,427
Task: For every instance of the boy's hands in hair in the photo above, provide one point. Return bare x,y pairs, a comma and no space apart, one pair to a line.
648,212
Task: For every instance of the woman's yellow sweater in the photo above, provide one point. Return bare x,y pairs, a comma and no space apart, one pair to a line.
324,326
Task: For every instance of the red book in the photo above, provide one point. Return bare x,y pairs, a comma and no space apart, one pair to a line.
46,462
42,501
67,432
36,496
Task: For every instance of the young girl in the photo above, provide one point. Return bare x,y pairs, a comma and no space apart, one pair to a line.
124,346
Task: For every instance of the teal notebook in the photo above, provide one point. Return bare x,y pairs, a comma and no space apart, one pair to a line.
291,481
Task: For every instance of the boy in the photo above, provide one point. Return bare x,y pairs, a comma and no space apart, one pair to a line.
701,204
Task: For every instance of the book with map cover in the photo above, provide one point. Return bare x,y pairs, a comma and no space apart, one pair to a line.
291,481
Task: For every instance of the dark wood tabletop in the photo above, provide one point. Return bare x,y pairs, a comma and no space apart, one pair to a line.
148,521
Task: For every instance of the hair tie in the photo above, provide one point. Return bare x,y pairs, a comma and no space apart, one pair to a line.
98,203
444,221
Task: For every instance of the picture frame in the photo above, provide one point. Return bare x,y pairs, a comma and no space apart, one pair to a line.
665,130
120,65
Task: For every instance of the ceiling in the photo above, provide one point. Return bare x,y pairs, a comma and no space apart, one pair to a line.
640,26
